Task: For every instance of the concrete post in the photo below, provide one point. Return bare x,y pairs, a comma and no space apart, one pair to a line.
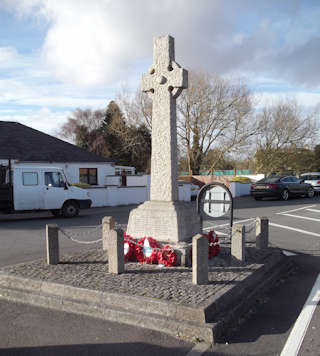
262,232
116,252
107,227
238,242
52,239
200,249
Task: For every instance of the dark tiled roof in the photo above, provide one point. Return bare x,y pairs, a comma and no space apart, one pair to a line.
23,143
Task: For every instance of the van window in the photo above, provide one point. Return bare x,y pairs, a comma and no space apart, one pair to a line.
54,179
30,178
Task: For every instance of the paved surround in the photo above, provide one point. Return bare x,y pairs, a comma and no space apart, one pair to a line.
162,299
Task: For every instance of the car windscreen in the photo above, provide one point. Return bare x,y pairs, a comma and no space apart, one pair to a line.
269,180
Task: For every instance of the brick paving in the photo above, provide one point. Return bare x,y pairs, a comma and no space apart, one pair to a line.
173,284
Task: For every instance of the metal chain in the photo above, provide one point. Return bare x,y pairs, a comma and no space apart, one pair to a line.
82,233
70,237
250,227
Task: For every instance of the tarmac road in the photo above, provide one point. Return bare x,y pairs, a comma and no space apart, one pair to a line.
294,226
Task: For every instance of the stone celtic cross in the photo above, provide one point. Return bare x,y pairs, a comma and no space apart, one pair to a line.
164,83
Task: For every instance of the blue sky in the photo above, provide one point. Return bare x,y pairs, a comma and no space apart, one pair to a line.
59,55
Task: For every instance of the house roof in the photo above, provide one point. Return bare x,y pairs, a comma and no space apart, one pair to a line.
23,143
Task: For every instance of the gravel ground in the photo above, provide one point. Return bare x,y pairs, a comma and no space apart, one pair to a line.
174,284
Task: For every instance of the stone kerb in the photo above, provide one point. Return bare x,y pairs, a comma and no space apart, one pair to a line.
52,242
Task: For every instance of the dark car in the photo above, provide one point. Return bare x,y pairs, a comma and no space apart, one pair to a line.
282,187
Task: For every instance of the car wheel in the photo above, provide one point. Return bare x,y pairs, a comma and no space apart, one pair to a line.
310,193
70,209
56,212
285,194
257,198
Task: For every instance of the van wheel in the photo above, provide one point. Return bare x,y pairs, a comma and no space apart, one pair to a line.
56,212
70,209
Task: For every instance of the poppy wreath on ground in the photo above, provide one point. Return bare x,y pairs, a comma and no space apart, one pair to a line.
213,239
146,250
167,256
129,248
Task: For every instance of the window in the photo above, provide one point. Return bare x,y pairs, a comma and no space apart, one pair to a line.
121,171
54,179
89,175
295,180
30,178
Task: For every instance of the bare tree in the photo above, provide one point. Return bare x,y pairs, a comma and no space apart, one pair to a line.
137,107
89,119
283,127
213,113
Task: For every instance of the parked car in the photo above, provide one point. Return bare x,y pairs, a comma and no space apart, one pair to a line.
282,187
312,178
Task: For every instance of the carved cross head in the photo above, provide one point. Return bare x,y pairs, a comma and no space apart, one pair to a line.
165,73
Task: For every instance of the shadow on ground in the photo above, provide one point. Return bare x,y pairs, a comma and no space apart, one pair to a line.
116,349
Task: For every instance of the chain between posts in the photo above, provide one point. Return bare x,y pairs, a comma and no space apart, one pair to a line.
227,230
250,227
70,237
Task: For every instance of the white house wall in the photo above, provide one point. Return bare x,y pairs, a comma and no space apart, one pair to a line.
71,170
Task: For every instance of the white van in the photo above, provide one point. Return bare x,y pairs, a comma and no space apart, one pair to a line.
25,189
312,178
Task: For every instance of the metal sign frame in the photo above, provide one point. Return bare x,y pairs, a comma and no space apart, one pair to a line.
203,191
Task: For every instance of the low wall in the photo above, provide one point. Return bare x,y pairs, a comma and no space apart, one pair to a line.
126,195
238,189
138,181
113,195
184,191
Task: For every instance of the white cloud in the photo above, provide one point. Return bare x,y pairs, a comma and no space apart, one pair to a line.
7,54
94,43
44,119
99,43
303,98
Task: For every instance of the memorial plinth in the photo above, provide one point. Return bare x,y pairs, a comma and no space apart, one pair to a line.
164,217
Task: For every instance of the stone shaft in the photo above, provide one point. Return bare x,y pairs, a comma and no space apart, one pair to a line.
262,232
116,252
238,242
52,239
200,249
164,83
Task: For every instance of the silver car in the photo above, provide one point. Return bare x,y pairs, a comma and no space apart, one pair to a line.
312,178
